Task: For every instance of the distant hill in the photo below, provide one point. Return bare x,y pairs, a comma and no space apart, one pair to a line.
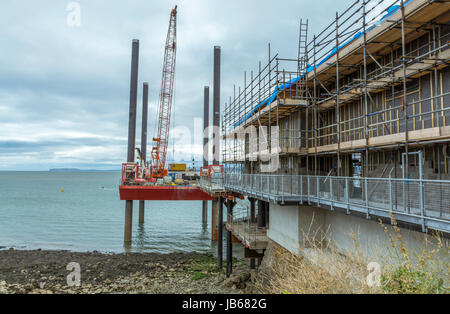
64,170
79,170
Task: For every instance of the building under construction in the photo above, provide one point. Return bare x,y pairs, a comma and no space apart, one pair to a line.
356,129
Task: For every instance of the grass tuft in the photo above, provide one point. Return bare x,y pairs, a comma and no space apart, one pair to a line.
321,268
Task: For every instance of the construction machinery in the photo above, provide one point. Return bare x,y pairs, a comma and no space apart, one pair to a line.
159,151
177,167
144,168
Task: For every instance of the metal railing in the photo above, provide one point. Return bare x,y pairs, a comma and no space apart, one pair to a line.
416,201
246,230
129,173
212,184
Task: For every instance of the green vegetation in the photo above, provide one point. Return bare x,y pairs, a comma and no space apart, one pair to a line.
407,271
199,275
328,270
203,266
405,280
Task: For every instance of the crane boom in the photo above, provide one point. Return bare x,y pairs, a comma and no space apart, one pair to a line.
159,151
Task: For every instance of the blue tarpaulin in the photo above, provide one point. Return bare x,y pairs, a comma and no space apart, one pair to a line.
309,69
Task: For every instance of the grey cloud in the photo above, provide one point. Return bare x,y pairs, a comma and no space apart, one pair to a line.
56,80
21,146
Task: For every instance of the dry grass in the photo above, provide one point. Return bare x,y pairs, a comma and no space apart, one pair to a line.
406,270
323,269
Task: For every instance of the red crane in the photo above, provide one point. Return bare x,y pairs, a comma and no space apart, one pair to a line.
159,151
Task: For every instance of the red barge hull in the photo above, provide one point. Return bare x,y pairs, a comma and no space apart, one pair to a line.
163,193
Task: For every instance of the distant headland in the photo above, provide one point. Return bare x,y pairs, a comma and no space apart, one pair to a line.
80,170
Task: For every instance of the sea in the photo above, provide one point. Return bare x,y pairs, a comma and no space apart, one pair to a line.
82,211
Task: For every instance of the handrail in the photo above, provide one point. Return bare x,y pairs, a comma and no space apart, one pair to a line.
427,202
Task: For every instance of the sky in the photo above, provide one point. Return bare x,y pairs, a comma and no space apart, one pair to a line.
64,88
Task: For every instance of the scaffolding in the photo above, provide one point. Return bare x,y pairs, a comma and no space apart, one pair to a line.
356,88
366,102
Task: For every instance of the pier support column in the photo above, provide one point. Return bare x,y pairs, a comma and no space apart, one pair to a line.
266,213
262,207
216,205
261,214
131,133
204,212
252,210
216,106
128,222
230,206
214,219
252,220
252,263
144,142
220,235
141,212
229,254
205,145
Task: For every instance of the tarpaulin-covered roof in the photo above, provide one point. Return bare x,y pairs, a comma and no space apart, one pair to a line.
278,89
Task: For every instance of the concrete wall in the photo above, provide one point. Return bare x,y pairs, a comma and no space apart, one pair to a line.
291,226
295,228
283,228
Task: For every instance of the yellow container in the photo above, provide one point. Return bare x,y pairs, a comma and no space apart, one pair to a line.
177,167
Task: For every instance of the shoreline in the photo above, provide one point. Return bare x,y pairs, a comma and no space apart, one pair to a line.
45,272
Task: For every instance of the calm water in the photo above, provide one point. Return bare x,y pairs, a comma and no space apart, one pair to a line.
35,213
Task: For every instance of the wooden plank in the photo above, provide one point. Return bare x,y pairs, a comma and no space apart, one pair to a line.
445,131
353,144
422,134
325,148
387,139
417,135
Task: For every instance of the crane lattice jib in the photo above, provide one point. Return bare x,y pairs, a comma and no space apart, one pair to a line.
159,152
